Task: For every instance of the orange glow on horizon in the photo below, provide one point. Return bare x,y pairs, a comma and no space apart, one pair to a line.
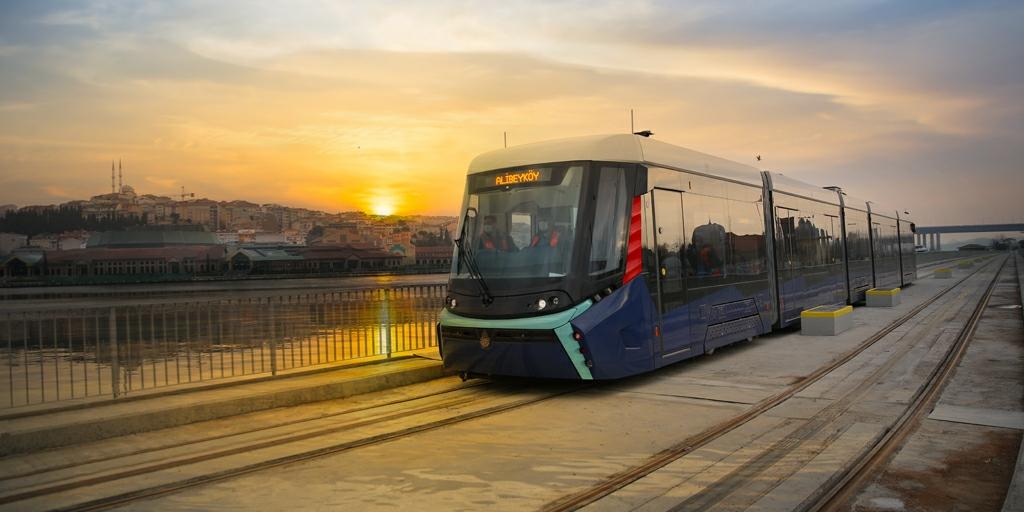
308,111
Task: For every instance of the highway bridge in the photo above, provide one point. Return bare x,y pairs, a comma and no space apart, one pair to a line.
932,235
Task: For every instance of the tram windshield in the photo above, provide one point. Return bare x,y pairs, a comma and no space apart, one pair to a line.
521,223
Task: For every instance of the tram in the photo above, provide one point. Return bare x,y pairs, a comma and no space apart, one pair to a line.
607,256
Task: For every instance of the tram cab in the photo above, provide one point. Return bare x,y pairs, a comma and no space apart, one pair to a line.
574,260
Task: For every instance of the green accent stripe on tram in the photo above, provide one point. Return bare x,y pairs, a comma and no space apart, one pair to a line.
558,322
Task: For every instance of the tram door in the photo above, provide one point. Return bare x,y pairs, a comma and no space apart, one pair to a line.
671,295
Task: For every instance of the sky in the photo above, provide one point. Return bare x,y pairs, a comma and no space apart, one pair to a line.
380,106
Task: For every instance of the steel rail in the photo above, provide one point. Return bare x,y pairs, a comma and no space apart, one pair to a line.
459,387
855,476
673,453
159,490
153,491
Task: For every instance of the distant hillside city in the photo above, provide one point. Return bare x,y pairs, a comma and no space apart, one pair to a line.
123,236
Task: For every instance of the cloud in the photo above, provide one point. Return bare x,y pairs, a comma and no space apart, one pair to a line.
58,192
163,184
336,105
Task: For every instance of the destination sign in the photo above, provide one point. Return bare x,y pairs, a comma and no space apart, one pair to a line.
515,178
512,178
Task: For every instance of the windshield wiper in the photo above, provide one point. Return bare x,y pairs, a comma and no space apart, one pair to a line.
474,272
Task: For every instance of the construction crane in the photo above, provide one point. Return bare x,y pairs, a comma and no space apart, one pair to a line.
188,194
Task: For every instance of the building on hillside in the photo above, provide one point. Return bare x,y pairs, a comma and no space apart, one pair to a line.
199,211
157,209
227,237
346,234
72,240
11,241
269,239
294,236
241,214
45,241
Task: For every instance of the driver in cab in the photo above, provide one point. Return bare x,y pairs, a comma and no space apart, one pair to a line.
546,236
493,239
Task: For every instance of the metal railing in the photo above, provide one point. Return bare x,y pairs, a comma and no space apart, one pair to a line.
113,351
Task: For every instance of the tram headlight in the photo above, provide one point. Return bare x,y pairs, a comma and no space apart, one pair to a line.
452,302
541,304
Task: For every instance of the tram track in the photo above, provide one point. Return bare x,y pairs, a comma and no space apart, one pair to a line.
850,481
264,428
163,448
623,478
172,463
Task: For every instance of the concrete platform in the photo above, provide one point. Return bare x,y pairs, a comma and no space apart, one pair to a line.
943,273
66,426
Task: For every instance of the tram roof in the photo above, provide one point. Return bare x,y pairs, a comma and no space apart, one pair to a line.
783,183
884,210
622,147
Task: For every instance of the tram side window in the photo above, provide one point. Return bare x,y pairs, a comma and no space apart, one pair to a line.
807,238
746,256
857,242
830,239
706,219
786,222
608,243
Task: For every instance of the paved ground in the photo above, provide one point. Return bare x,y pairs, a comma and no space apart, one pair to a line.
963,456
527,456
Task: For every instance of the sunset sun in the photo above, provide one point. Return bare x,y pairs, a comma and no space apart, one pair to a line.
383,206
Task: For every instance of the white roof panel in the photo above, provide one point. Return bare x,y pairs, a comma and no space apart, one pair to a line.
855,202
789,185
883,210
615,148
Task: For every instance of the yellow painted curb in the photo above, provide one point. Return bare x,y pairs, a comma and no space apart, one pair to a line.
882,291
814,313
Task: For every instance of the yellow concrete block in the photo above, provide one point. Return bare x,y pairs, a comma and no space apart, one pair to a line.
826,312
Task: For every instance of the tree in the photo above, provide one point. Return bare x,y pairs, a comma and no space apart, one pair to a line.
63,218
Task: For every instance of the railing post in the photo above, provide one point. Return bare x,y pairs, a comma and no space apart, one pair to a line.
273,338
115,366
387,322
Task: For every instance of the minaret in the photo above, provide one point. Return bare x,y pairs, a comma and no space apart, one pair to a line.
120,177
112,177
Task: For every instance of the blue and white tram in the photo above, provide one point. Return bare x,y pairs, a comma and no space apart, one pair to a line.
606,256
